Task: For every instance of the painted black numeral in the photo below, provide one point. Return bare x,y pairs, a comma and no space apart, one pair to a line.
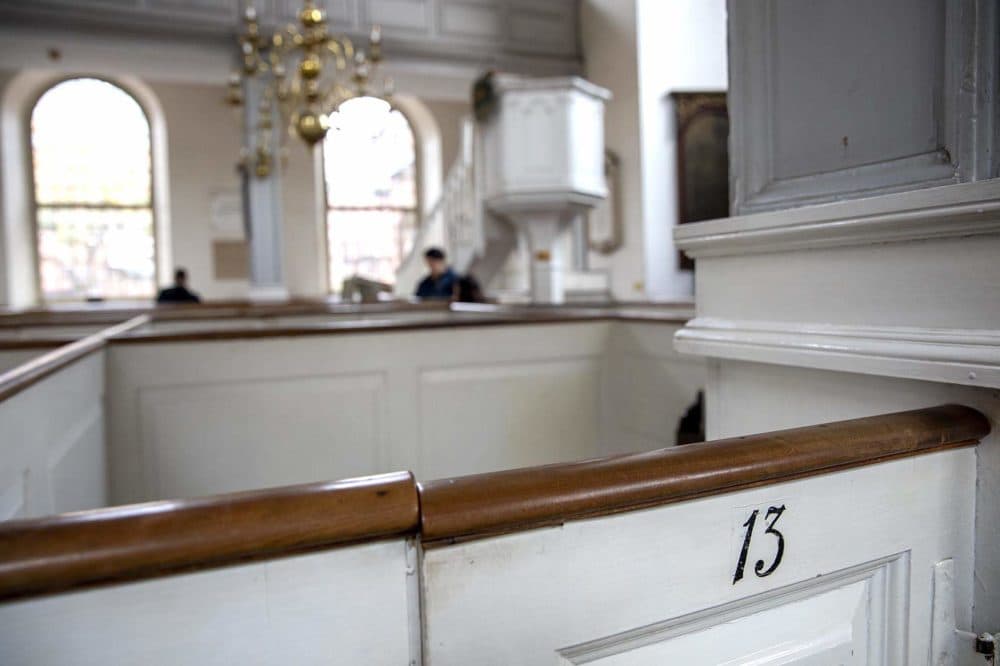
761,568
741,564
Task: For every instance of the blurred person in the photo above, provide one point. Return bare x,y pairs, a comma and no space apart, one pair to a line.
467,290
440,284
178,293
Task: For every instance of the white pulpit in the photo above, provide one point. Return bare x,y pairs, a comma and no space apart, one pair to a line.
545,149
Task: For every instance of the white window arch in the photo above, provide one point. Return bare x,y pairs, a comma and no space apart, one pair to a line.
92,170
372,203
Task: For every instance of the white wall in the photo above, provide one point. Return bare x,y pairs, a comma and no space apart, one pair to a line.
609,38
197,418
682,47
642,50
52,451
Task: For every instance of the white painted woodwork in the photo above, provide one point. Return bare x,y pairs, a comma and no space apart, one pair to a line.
547,136
649,387
544,147
824,107
656,586
814,625
745,398
197,418
11,358
808,313
52,450
349,605
901,285
516,36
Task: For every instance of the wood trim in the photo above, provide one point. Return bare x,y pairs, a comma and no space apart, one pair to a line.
351,327
114,313
127,543
462,317
488,504
14,344
18,379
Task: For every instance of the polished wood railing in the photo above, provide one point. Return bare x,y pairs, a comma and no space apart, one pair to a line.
487,504
23,376
344,318
128,543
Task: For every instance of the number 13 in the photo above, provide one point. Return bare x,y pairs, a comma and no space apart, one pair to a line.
758,568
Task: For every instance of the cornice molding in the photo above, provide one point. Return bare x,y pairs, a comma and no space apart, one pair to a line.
954,356
940,212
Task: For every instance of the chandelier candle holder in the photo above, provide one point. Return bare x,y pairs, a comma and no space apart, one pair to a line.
300,74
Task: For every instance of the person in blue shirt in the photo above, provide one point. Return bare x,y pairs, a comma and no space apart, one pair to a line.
440,284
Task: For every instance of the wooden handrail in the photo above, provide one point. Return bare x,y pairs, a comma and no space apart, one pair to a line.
18,379
464,317
127,543
487,504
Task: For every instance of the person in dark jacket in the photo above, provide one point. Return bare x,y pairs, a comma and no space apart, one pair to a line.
440,284
179,293
467,290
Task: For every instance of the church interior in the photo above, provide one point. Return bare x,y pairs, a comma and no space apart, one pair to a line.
623,332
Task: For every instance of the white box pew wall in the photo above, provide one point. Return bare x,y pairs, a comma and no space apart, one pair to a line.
199,413
722,552
52,416
725,552
300,575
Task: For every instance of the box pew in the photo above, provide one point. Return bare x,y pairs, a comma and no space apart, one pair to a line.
52,429
322,573
843,543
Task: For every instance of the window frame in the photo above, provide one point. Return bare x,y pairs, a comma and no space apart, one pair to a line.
416,209
35,206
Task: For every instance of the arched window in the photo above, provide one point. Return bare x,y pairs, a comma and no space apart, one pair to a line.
370,169
90,145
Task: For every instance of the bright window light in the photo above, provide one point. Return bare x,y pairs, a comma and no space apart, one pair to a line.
371,191
90,147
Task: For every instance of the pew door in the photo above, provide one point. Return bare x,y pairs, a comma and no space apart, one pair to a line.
836,568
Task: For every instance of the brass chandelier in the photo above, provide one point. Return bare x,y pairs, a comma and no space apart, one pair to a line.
303,73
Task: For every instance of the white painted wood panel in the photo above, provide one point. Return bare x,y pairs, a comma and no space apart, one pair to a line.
199,418
228,436
649,387
527,37
398,15
472,20
737,405
11,358
534,414
824,107
825,53
537,596
345,606
543,26
841,621
52,446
